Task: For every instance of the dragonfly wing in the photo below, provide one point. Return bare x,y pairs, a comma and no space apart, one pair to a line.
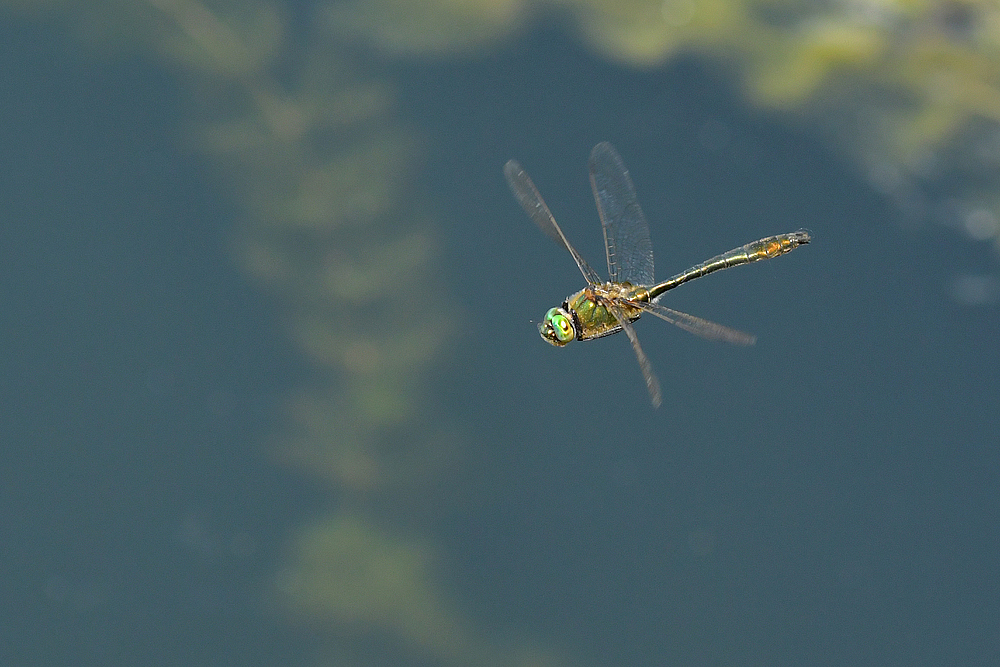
531,201
626,232
696,325
652,384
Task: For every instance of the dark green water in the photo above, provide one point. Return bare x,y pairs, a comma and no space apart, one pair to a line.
140,374
826,497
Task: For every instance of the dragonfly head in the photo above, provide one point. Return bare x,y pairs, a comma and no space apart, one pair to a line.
557,327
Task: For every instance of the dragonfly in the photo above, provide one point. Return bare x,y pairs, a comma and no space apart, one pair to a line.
605,307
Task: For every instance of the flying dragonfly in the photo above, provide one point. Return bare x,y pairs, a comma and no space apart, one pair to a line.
606,307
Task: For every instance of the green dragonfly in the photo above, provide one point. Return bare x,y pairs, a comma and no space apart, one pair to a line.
603,307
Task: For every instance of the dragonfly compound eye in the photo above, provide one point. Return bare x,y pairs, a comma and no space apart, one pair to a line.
557,327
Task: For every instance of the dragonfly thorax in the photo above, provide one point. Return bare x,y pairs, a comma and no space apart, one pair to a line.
557,327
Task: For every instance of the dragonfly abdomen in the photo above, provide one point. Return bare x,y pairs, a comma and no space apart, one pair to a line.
766,248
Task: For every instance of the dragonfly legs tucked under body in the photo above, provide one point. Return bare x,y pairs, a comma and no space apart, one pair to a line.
603,307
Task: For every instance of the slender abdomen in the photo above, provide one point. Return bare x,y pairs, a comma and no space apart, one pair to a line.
767,248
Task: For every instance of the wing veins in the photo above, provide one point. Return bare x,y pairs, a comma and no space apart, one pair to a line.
531,201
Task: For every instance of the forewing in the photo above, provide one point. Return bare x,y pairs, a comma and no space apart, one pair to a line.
531,201
626,232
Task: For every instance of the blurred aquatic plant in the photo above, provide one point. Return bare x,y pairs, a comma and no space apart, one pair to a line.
910,91
357,577
427,27
308,143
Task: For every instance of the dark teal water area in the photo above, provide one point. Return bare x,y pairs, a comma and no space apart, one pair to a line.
141,376
826,497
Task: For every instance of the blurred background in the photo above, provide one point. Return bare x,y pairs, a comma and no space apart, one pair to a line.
272,389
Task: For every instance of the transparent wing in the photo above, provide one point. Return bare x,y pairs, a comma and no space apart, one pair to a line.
626,232
696,325
531,201
652,384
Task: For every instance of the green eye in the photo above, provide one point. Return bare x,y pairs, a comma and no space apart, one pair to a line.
557,327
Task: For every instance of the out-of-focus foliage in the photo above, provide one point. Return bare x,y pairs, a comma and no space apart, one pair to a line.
908,90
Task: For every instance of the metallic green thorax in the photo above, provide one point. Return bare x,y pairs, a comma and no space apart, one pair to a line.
589,308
